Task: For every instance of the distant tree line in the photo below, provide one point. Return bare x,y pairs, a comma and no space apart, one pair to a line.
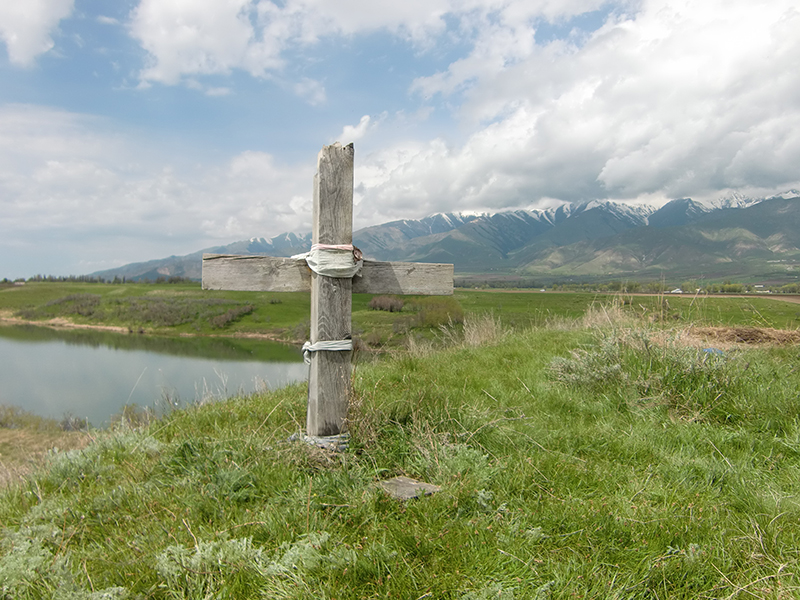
93,279
690,286
496,282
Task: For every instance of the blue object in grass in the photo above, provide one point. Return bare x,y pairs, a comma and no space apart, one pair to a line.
713,351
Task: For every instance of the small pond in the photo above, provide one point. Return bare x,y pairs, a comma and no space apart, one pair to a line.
91,374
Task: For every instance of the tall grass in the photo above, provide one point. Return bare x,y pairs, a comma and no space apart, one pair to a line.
594,463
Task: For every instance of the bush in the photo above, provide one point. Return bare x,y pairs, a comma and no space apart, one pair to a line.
85,305
231,315
387,303
437,311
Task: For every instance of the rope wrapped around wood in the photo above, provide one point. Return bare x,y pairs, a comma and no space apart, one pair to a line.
329,345
342,261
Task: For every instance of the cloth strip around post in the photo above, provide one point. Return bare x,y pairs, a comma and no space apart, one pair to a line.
342,261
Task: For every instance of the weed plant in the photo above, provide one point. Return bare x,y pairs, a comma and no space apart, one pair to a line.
605,462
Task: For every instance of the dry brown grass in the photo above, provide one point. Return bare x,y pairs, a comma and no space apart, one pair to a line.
737,336
482,329
725,338
609,314
23,450
614,315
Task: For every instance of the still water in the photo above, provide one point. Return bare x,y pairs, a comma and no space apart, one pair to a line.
93,375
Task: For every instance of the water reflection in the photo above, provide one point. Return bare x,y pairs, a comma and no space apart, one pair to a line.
94,374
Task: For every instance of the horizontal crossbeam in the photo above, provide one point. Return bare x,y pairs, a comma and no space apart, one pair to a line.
270,274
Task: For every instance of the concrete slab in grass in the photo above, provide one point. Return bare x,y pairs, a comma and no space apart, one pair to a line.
406,488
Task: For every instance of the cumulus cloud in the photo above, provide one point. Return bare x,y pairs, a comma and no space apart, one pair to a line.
186,39
659,99
204,37
679,98
352,133
27,27
68,177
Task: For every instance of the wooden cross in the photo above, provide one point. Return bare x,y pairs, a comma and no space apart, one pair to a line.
329,384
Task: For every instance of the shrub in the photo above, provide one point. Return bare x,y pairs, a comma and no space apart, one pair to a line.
231,315
85,305
437,311
696,384
387,303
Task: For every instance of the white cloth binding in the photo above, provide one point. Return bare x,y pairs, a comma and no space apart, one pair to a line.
341,261
331,346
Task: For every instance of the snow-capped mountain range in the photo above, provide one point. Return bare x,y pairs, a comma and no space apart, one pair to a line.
597,238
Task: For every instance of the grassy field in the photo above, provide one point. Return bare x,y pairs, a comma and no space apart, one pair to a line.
181,309
606,456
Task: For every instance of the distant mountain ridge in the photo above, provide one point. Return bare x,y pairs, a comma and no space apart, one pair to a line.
733,236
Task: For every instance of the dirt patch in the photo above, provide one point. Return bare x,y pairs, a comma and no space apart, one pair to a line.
24,450
7,318
731,337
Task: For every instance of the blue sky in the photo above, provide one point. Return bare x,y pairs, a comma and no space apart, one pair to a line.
138,129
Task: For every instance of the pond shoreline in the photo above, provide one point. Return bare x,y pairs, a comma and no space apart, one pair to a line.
7,319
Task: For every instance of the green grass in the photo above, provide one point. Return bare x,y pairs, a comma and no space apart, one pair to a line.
588,463
173,309
167,308
756,311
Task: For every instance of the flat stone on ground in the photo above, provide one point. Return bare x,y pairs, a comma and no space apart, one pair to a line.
406,488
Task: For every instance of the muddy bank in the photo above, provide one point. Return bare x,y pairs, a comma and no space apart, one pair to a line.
7,318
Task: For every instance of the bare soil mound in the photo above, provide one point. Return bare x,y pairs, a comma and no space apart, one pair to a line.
733,336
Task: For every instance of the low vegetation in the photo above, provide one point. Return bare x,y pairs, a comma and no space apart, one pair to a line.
182,308
390,303
26,439
152,312
382,321
612,455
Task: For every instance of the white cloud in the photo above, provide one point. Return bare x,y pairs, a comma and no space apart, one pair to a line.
107,20
196,38
27,26
218,91
205,37
682,98
668,98
352,133
313,91
65,179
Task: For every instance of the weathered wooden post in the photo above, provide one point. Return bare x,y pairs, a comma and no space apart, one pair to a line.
331,297
330,347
